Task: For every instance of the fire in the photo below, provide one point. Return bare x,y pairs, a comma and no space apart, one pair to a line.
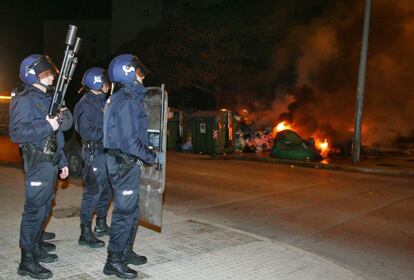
323,146
280,127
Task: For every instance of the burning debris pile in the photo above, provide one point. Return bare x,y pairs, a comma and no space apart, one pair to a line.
282,141
289,145
321,145
259,141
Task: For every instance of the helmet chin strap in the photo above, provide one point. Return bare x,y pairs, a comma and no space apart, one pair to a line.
48,87
97,92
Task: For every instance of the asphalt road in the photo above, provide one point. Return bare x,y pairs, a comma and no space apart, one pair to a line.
362,222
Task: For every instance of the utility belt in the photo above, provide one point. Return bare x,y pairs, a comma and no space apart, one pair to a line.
33,156
92,146
124,161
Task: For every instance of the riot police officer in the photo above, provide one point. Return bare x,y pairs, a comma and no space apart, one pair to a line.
126,141
97,192
31,127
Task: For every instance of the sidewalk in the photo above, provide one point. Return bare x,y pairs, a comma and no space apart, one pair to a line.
185,249
391,166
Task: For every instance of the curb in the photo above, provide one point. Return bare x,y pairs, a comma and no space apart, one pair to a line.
318,165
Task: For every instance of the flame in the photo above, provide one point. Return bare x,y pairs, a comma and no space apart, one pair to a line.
280,127
323,146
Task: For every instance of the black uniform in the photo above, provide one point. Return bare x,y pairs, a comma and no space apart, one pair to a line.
28,127
97,193
125,137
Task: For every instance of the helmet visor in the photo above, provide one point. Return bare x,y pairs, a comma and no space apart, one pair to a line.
44,64
137,63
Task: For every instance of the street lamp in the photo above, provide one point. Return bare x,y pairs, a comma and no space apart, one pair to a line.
356,144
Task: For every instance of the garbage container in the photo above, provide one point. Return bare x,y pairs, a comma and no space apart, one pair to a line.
289,145
177,128
212,131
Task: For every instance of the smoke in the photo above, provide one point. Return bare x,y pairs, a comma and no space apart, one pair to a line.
268,116
325,56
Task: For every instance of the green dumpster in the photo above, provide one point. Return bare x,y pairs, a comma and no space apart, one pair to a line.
212,131
172,134
178,128
289,145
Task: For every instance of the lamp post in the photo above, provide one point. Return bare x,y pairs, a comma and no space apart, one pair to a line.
356,144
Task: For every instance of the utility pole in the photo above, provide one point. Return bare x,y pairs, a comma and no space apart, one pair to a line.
359,106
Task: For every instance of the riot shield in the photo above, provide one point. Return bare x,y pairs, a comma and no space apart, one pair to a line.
153,177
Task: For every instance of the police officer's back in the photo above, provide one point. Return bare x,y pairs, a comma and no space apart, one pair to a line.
97,192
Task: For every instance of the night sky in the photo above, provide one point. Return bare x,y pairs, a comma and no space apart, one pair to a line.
21,29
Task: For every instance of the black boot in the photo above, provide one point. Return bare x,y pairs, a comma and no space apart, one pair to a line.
101,227
130,257
49,247
48,235
42,255
29,266
115,266
88,239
